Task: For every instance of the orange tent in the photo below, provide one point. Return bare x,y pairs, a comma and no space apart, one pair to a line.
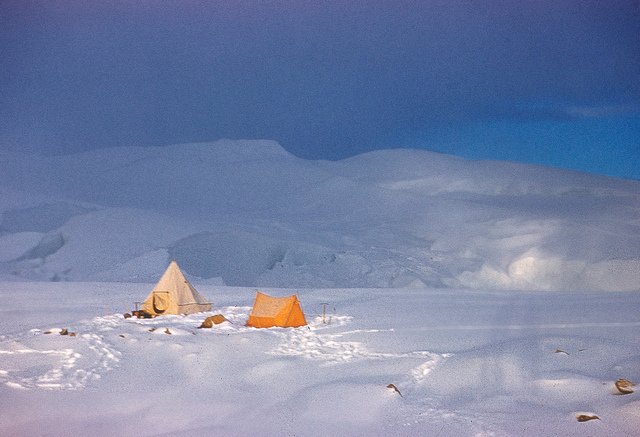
271,311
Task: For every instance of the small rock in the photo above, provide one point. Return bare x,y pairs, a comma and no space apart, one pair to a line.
624,386
213,320
394,388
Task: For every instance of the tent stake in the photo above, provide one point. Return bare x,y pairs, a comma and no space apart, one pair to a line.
324,312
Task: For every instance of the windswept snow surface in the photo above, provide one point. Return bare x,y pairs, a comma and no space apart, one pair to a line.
463,298
464,363
247,213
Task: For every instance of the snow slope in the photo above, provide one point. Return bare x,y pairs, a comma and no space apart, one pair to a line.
247,213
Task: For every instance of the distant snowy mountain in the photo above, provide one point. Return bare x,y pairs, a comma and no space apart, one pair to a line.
248,213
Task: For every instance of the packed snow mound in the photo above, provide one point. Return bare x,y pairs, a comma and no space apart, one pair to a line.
248,213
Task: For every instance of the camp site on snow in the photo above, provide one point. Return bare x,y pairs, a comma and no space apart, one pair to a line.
175,295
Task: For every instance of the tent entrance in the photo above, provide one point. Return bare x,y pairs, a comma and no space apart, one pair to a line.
161,301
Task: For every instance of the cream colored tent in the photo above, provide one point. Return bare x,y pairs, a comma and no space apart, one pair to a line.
174,294
270,311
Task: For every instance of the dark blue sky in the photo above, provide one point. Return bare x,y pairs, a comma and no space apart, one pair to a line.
549,82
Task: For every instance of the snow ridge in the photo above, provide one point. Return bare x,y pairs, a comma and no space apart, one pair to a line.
247,213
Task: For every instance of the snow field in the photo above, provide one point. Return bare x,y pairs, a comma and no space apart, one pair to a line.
464,298
468,363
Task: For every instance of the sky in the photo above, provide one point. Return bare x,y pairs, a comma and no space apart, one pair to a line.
547,82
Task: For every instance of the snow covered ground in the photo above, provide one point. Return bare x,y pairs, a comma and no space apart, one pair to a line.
463,297
465,363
